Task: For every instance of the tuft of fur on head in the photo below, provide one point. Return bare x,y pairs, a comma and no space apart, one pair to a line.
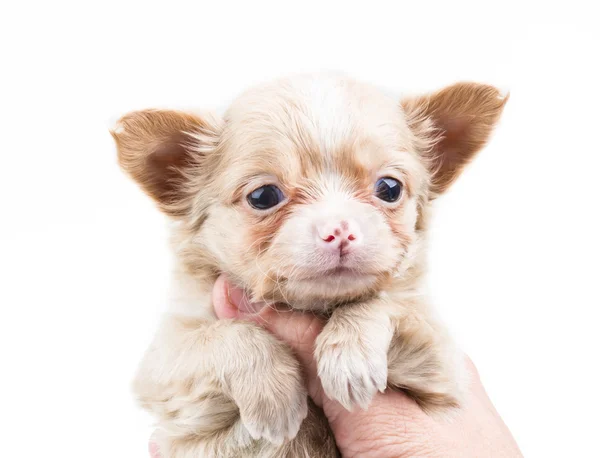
324,141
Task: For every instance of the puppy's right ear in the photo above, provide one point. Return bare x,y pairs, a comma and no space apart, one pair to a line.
159,149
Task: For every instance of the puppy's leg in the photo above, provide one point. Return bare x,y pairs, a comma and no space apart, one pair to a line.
219,388
351,353
424,362
366,346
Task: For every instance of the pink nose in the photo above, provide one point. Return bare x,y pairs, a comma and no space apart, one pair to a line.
342,235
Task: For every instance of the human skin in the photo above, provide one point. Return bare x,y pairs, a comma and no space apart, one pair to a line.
394,425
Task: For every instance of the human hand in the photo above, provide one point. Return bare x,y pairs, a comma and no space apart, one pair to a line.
394,425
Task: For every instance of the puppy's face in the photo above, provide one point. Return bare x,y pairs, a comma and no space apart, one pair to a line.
318,192
311,189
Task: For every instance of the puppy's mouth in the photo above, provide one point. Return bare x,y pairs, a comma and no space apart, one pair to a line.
341,273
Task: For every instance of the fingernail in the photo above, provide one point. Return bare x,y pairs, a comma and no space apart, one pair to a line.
240,300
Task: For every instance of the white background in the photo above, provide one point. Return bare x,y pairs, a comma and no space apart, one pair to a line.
83,254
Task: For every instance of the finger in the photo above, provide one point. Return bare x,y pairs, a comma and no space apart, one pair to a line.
153,449
298,330
230,302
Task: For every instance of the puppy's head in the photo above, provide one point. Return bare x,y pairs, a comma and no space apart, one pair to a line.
310,190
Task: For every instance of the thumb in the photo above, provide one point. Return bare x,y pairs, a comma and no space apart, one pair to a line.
298,330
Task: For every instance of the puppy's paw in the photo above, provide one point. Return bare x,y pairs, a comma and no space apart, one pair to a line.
351,368
269,388
277,412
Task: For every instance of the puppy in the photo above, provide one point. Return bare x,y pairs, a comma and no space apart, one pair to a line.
312,191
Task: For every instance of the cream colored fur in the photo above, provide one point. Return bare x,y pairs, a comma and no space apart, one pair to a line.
224,388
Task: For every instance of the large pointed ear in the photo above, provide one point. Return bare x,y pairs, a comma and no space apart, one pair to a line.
453,124
159,149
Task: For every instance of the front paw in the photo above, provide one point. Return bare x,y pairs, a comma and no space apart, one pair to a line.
352,368
269,389
275,414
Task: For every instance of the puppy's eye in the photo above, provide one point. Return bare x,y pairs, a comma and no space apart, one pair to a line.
265,197
388,189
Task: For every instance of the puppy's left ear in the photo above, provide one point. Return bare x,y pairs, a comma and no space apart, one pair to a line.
452,125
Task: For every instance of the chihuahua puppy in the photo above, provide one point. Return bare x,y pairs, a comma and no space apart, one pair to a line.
314,192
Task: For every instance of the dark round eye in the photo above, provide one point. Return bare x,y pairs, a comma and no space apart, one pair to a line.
265,197
388,189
